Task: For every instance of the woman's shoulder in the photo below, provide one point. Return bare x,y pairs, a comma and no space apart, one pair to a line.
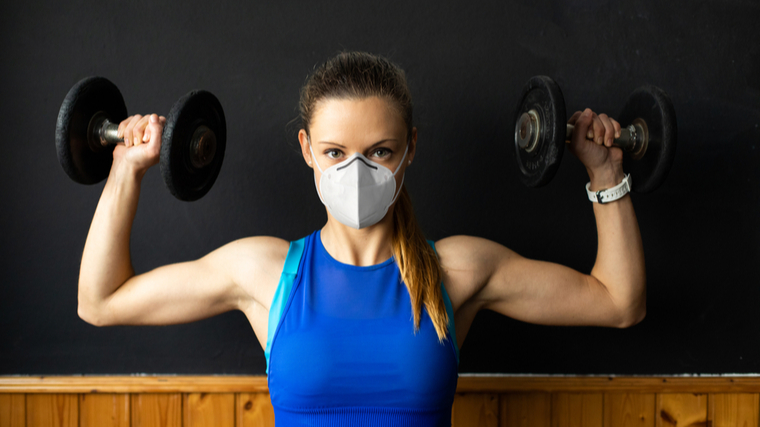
467,263
256,264
265,248
467,249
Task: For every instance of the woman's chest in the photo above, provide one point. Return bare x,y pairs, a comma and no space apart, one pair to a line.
344,362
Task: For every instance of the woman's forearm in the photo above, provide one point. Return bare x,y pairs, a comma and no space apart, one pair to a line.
620,253
106,262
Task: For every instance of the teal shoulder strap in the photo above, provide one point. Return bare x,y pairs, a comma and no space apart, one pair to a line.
289,272
449,311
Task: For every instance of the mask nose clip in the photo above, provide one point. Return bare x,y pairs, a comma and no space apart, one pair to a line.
360,158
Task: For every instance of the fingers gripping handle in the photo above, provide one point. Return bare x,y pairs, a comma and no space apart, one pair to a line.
633,139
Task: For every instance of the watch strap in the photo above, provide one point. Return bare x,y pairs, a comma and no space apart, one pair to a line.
610,194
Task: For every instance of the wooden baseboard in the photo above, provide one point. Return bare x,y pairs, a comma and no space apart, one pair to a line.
466,384
602,384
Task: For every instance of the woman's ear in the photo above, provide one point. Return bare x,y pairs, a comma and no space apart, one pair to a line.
303,139
412,146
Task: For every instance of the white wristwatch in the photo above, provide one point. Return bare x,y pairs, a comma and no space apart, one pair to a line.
610,194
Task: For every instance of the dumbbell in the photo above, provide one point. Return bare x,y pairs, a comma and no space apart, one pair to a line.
648,137
192,145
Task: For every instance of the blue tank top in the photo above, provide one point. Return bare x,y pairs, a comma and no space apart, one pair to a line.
341,348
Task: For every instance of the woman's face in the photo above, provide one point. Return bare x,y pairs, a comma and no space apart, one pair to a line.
370,126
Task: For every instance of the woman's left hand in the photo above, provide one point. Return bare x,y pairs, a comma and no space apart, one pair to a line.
591,142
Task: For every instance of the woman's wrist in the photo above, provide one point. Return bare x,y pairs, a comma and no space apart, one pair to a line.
604,178
124,178
124,170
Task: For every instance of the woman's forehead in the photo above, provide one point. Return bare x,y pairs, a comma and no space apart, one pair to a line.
373,118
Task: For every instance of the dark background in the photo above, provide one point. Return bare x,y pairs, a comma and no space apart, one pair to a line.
466,63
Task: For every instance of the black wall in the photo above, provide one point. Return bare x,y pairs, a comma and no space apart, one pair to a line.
466,63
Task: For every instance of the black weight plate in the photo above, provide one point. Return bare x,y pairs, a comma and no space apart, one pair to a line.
654,106
538,167
197,108
86,98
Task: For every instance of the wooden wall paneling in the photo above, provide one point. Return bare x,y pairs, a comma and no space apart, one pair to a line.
681,409
208,410
475,409
52,410
506,401
104,410
157,410
606,384
12,410
629,410
733,409
254,410
525,410
577,409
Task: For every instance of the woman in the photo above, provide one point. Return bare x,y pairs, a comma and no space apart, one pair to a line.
361,321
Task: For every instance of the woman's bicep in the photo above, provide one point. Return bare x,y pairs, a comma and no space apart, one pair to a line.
171,294
225,279
549,294
488,275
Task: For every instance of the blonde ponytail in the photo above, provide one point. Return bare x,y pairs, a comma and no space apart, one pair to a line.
419,266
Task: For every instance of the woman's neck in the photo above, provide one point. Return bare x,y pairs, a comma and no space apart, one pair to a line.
365,247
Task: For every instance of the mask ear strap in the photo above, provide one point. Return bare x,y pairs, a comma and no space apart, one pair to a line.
316,184
315,157
399,191
402,178
402,161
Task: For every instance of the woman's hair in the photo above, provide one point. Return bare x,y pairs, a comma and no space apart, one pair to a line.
358,75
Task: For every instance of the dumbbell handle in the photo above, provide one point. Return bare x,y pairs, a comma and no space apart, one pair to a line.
633,139
104,132
109,133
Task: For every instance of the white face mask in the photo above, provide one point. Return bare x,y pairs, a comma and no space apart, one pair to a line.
357,191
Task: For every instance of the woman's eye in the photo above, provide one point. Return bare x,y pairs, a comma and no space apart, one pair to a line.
381,152
333,154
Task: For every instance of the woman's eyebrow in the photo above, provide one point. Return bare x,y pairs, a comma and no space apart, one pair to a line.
331,143
372,146
383,141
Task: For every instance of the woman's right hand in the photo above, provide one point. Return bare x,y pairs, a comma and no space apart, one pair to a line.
142,141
